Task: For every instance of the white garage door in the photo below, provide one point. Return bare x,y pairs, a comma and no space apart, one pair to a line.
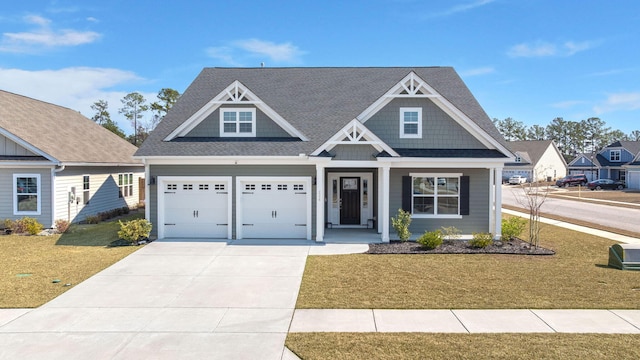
195,207
274,208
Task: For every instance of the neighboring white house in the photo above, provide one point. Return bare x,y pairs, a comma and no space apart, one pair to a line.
57,164
537,160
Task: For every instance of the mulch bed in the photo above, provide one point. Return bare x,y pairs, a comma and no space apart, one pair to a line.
514,246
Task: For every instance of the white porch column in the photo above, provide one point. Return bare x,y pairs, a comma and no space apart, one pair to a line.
498,203
384,216
380,196
319,203
492,200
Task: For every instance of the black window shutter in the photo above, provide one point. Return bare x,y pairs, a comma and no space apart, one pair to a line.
464,195
406,193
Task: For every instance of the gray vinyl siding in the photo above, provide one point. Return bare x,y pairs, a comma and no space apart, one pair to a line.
103,191
265,127
226,170
6,194
476,221
9,147
439,130
354,152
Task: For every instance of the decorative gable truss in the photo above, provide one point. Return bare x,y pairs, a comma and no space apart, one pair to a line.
412,86
234,94
355,133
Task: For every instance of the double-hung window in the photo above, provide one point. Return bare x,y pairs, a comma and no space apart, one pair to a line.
410,122
614,155
86,189
26,194
125,184
435,195
238,122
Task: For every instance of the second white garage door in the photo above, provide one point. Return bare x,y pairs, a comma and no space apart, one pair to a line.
273,208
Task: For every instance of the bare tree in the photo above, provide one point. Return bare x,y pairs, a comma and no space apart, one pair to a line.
532,198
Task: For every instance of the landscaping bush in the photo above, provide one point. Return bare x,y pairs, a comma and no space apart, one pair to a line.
125,210
26,225
512,227
481,240
451,233
62,226
93,219
134,230
401,224
7,224
431,239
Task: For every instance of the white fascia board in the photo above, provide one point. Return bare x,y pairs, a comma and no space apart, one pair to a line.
219,101
26,165
28,146
482,163
369,136
228,160
86,164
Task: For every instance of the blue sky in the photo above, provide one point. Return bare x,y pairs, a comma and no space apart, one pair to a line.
532,60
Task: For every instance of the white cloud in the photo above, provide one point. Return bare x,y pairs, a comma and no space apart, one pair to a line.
43,37
461,8
92,19
537,49
76,88
543,48
628,101
239,52
478,71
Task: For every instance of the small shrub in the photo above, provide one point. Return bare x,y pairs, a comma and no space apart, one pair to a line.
62,226
451,233
125,210
481,240
431,239
401,224
7,224
27,225
134,230
512,227
93,219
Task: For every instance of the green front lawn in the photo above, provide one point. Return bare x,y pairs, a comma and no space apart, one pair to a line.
30,264
577,277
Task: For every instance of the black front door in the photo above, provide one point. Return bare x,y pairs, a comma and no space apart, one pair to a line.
350,200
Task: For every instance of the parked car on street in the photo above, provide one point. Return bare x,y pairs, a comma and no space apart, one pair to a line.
517,179
570,180
606,184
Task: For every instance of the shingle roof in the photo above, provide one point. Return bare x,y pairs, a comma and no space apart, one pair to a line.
534,149
316,101
62,133
632,146
574,162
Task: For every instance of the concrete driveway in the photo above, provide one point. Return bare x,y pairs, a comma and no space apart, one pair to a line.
173,300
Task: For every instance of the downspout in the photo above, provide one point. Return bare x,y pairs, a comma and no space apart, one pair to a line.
54,171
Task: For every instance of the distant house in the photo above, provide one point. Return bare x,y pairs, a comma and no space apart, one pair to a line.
537,160
57,164
587,164
633,173
614,157
288,152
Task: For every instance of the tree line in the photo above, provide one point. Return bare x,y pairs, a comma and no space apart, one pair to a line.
135,108
571,137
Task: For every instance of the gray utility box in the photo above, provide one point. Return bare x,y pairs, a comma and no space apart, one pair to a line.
625,256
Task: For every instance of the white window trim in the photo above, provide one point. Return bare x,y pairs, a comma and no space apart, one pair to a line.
38,195
436,216
121,187
611,152
410,109
237,133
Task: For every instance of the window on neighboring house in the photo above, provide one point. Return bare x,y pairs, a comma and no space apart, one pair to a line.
125,183
518,158
614,155
410,122
435,195
26,195
86,187
237,122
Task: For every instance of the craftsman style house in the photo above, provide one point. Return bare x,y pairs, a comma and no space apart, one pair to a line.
252,153
609,163
57,164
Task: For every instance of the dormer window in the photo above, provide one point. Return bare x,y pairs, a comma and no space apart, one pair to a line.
518,158
614,155
238,122
410,123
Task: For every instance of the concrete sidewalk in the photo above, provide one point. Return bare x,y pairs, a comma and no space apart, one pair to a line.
467,321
